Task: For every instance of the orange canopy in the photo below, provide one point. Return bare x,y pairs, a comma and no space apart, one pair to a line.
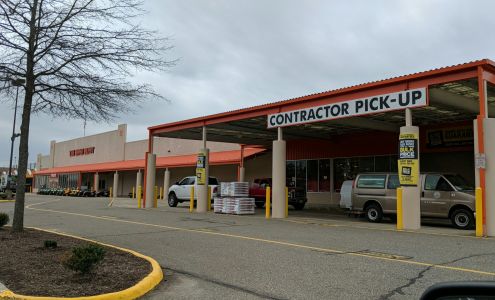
216,158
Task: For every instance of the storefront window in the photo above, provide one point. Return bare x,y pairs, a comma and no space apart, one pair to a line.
324,175
290,173
382,163
301,174
312,167
366,164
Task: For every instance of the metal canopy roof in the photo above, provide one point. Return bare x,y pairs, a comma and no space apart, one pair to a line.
449,101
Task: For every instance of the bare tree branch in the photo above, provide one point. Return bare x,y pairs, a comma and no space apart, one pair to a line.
76,57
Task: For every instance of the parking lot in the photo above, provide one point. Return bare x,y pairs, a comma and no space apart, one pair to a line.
314,254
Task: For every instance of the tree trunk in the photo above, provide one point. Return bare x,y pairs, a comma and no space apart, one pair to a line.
18,222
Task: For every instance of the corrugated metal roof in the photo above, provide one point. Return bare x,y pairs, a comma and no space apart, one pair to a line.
351,88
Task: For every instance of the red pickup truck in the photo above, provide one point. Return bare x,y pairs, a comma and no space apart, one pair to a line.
257,190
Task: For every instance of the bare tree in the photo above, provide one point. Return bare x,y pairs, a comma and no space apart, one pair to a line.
76,57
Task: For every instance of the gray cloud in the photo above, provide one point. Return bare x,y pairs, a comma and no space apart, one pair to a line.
236,54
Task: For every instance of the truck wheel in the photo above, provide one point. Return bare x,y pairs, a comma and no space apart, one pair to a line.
374,213
259,204
172,200
299,206
462,219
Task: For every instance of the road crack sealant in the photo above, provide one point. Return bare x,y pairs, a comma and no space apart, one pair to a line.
412,281
442,266
223,284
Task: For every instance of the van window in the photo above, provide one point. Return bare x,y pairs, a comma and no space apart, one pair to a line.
459,182
436,183
371,181
393,182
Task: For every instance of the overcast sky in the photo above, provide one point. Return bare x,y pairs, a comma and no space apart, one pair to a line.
235,54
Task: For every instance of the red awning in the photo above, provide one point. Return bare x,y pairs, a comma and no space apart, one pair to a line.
216,158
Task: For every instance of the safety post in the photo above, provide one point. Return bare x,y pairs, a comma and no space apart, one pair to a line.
479,209
155,197
161,193
191,200
400,223
267,203
110,191
286,202
133,193
139,193
209,198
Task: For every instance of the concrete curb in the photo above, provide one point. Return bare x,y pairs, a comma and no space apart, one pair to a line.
136,291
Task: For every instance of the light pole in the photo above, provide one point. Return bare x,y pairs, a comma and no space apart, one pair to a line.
17,83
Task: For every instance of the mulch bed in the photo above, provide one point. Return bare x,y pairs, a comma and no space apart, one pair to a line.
27,268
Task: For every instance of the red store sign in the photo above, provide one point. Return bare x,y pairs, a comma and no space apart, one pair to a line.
83,151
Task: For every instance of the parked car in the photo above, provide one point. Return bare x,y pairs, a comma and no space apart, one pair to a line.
181,190
442,196
257,190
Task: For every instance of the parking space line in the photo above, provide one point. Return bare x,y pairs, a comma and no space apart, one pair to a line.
274,242
347,225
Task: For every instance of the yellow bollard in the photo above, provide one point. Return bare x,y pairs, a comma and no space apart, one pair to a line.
209,198
191,200
133,193
139,196
161,193
110,191
479,212
400,223
267,203
286,202
155,197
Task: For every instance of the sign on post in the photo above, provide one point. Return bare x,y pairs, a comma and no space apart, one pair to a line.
480,161
408,159
201,169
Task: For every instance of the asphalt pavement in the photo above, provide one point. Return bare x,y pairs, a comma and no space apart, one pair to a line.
310,255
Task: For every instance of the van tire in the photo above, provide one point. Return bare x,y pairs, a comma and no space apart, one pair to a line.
462,219
172,200
374,213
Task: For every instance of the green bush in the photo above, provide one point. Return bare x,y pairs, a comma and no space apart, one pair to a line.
4,219
84,258
50,244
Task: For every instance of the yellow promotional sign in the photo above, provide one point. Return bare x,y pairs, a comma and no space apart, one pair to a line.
408,159
201,176
201,169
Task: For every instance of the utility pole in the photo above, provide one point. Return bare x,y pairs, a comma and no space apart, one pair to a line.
17,83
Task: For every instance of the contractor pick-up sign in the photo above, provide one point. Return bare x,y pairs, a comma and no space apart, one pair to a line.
351,108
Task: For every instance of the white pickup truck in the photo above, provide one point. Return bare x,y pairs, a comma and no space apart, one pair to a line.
181,190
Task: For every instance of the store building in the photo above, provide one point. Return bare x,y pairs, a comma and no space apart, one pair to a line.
319,140
92,162
314,142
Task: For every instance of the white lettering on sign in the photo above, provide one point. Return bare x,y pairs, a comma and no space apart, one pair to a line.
356,107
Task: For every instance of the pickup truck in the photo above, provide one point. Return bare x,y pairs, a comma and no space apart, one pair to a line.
181,190
257,190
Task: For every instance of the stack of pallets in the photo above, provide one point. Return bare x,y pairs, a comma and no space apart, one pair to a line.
234,199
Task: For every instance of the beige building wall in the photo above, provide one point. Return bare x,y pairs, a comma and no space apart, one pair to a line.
259,166
43,162
108,147
173,147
